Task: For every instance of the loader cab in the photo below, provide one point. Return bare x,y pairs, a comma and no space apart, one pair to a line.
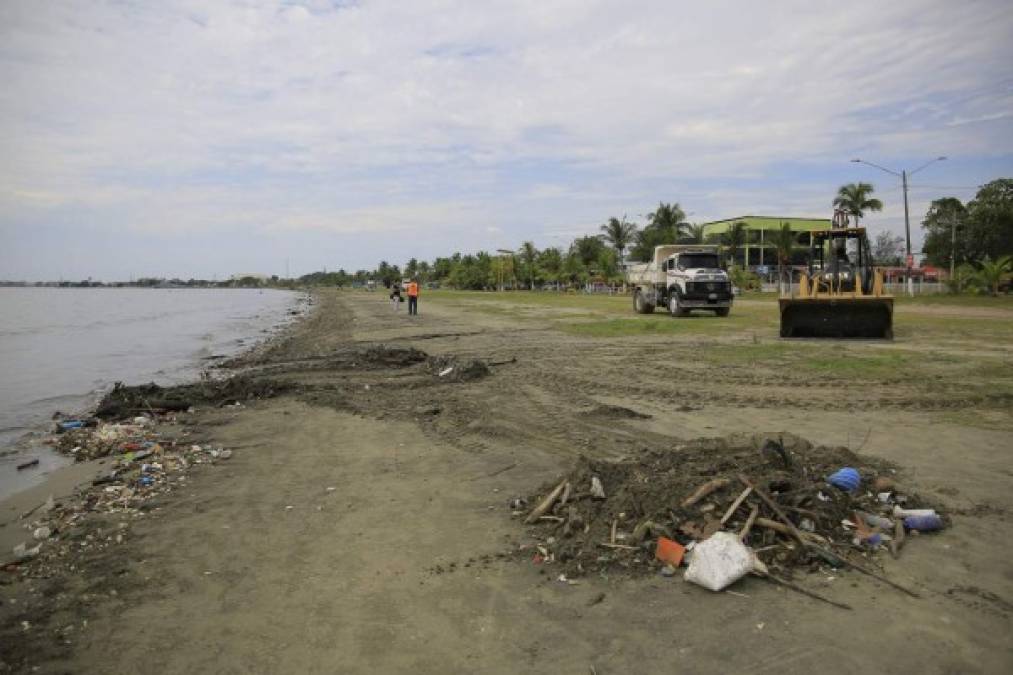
834,266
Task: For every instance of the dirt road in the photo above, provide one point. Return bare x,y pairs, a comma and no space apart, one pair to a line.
362,524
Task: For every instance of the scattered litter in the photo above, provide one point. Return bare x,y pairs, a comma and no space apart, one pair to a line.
846,479
30,463
614,517
719,562
446,371
669,551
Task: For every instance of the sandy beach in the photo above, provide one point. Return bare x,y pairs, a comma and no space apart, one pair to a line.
362,523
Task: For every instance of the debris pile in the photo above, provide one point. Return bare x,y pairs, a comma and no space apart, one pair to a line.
776,494
125,402
144,466
453,369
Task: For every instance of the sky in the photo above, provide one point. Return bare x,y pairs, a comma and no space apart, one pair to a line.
198,139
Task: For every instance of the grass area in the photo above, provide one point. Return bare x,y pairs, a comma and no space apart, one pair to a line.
604,316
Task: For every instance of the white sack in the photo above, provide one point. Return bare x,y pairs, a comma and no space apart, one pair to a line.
719,562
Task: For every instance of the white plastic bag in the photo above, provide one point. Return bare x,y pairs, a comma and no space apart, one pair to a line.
719,562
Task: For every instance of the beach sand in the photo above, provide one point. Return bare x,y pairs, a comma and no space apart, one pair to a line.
362,525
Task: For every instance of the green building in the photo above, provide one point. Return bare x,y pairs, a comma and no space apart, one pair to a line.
755,252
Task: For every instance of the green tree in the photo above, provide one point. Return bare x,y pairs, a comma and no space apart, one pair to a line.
991,272
411,270
733,239
888,249
587,249
664,226
550,261
783,241
945,226
695,234
529,258
574,271
856,198
619,234
990,221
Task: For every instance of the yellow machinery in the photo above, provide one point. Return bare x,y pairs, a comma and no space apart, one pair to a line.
841,295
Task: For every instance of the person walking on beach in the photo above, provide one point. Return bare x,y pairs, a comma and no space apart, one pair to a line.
413,297
395,295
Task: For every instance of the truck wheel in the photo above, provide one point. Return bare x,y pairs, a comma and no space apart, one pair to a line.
640,304
722,311
674,308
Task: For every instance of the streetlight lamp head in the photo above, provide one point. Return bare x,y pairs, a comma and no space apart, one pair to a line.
856,160
941,158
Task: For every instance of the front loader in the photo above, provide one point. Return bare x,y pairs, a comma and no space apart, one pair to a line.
841,294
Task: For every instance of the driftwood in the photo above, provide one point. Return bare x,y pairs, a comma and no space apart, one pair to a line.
798,589
775,508
619,546
827,555
735,505
749,523
898,538
566,493
546,503
704,490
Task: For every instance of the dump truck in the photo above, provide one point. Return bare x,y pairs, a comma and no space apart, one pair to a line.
840,295
681,278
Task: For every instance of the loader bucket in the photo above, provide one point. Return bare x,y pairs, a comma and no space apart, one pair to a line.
840,317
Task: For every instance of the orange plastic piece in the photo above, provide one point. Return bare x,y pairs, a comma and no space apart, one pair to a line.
669,551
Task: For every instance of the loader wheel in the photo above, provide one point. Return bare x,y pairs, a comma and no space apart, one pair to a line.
722,311
674,308
640,304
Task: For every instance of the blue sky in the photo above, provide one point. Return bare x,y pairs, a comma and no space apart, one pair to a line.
200,139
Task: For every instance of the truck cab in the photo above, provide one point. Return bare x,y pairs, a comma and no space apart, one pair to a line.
682,278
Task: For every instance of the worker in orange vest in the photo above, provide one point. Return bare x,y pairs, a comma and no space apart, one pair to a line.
413,297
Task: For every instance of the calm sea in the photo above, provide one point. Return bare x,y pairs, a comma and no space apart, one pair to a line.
61,347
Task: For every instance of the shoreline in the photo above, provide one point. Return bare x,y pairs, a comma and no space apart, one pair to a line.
36,440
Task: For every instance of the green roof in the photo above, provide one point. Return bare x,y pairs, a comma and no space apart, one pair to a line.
768,223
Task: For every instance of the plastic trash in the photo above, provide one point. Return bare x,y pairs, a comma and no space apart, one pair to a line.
846,479
669,551
71,424
898,512
872,520
720,561
928,523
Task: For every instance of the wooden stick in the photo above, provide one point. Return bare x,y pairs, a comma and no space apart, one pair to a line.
545,504
553,518
874,575
798,589
620,546
566,493
499,471
735,505
749,523
898,538
704,490
775,508
612,539
773,525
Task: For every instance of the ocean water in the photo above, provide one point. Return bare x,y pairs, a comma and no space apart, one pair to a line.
60,348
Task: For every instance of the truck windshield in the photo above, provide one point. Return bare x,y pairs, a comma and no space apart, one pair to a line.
688,261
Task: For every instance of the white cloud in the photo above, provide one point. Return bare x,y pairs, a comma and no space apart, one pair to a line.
318,115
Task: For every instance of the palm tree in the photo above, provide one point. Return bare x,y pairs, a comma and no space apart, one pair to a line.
783,240
734,238
664,226
528,255
992,271
619,233
670,219
695,234
855,199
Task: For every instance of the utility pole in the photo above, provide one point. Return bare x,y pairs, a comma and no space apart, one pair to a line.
953,244
903,175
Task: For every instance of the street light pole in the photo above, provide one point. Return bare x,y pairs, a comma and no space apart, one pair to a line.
903,175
